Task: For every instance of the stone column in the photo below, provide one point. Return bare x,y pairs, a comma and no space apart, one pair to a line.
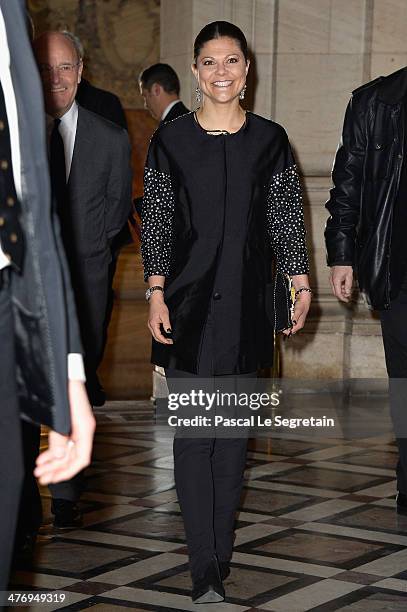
324,51
308,56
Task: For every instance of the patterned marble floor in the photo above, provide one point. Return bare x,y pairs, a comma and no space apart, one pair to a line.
317,528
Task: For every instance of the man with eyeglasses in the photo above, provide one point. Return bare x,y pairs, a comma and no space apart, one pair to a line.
91,185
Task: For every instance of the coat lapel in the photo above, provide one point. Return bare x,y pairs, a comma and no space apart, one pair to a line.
82,151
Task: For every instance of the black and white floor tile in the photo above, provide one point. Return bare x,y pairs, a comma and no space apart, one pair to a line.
317,528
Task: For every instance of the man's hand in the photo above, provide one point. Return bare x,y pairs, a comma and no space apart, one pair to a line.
341,278
68,455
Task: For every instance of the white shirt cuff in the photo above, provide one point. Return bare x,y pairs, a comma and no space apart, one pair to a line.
76,369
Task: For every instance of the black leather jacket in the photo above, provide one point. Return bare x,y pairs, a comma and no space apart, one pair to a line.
366,177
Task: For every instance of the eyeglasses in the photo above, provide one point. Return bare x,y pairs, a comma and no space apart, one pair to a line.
46,70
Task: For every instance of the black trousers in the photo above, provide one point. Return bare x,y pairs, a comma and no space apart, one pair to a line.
208,479
91,296
30,512
394,329
11,458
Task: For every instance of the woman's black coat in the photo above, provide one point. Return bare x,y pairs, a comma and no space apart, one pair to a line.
215,209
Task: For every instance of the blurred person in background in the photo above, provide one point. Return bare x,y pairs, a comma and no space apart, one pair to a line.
41,364
160,88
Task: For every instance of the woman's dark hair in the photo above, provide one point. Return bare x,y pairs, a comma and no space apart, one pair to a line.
217,29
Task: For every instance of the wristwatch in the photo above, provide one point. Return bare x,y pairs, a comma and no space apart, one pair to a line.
150,291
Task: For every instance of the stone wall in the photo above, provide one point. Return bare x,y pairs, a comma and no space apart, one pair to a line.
308,57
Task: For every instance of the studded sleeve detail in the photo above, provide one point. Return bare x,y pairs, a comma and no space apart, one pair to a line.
285,222
157,223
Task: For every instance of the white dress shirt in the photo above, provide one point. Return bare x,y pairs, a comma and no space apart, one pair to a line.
76,369
169,107
12,117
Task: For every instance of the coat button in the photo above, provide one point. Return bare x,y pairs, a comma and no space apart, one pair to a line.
1,125
217,296
4,164
13,237
10,201
2,221
378,146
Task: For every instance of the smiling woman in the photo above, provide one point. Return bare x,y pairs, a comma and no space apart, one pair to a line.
220,66
221,198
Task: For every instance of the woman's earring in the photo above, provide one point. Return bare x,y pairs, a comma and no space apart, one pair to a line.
198,95
242,93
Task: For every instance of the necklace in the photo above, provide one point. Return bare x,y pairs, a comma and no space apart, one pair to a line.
219,132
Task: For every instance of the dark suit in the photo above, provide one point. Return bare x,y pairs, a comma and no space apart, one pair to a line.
36,305
176,111
107,105
101,102
98,204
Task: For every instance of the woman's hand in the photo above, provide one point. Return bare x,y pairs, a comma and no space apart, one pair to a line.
301,305
301,308
159,315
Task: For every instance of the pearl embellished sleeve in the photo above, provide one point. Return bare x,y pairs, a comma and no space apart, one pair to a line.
285,222
157,223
